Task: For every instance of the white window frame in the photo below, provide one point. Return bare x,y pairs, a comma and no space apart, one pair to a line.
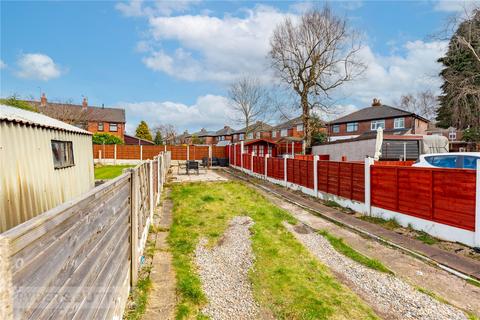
375,124
336,128
299,127
452,135
354,124
274,134
250,135
261,150
397,124
284,133
115,125
241,136
257,135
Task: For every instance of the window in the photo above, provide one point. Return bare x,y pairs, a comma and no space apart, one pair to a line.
443,161
352,126
62,152
375,124
100,126
399,123
258,135
299,127
284,133
241,136
250,135
336,128
274,134
113,127
261,151
270,150
452,135
470,162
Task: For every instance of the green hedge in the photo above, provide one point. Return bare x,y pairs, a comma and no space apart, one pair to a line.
106,138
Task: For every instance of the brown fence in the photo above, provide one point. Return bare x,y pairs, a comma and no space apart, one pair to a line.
79,259
145,152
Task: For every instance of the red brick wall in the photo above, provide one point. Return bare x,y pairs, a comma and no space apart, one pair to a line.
93,127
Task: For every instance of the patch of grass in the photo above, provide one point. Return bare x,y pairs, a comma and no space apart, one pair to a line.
472,316
109,172
332,204
140,297
433,295
390,224
426,238
473,282
286,278
339,245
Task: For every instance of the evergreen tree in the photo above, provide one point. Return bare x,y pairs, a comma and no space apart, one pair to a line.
143,132
158,138
460,100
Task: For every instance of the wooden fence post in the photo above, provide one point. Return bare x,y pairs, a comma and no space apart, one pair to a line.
6,289
285,157
368,205
266,165
477,208
151,192
134,226
315,175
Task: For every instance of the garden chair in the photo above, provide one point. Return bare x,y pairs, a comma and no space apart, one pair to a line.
192,165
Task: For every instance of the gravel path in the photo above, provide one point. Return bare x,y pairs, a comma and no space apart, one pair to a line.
224,273
386,293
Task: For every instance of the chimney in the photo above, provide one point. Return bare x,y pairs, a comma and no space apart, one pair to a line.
84,104
376,102
43,100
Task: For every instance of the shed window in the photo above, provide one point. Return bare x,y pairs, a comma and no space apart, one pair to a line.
113,127
62,152
261,151
100,126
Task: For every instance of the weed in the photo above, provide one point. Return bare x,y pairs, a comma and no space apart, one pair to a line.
426,238
390,224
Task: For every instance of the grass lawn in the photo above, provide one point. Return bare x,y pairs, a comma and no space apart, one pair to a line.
109,172
287,280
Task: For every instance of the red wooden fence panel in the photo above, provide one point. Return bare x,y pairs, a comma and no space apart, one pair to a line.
247,158
333,186
443,195
290,171
358,182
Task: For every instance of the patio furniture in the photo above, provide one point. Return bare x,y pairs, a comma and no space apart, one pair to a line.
192,165
181,165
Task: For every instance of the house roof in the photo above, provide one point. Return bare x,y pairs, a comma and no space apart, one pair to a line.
289,124
74,112
16,115
257,126
374,112
225,131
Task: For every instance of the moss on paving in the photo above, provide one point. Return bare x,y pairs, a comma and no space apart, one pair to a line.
109,172
288,281
343,248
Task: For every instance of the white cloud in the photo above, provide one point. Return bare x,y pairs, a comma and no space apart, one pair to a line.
2,64
138,8
213,48
37,66
388,77
458,6
209,111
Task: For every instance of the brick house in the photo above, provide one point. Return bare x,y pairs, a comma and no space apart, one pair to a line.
90,118
392,120
290,128
258,130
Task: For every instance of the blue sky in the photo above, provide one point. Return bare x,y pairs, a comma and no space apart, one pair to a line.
171,62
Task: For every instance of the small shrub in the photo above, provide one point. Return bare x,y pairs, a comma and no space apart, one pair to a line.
106,138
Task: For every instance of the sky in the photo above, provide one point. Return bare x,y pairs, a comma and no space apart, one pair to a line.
171,62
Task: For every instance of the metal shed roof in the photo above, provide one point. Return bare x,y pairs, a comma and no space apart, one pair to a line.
17,115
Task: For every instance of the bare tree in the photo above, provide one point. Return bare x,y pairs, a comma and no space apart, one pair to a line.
314,56
424,104
249,101
168,131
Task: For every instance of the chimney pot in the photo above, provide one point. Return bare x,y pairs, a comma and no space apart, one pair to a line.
376,102
84,103
43,100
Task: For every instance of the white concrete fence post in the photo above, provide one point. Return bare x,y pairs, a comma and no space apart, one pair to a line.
293,149
188,152
150,187
266,165
368,205
115,154
100,156
210,155
234,155
164,148
159,176
285,157
241,154
477,207
251,161
315,175
141,153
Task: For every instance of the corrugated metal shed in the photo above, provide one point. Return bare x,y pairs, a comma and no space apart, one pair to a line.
12,114
29,182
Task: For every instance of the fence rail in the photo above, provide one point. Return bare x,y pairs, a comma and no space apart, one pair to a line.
79,259
442,202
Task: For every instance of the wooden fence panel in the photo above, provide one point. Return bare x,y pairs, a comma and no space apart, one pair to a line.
346,180
290,171
322,176
247,161
128,152
220,152
333,177
358,182
149,152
